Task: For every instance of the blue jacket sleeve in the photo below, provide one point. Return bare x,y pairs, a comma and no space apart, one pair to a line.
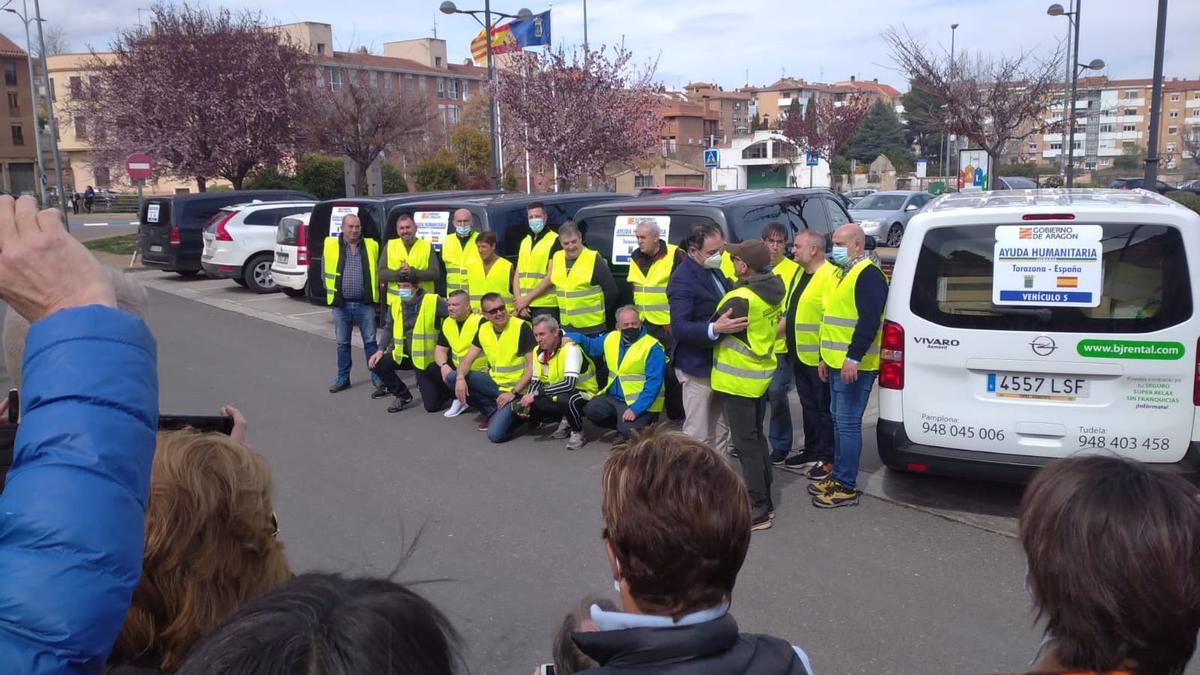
592,346
656,366
72,516
684,328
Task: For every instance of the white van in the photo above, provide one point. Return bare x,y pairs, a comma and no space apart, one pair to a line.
1022,327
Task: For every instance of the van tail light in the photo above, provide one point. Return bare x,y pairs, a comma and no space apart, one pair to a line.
219,229
891,362
1196,384
173,236
1048,216
302,245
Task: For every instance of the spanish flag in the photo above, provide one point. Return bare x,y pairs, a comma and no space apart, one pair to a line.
502,43
1068,282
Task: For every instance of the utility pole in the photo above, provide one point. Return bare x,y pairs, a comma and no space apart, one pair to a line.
1071,107
62,202
1151,174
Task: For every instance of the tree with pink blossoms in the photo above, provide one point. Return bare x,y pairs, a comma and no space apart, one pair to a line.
206,93
579,110
826,125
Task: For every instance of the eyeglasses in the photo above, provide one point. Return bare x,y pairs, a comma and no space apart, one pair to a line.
495,311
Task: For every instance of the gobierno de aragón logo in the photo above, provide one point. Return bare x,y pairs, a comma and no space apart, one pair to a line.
1131,349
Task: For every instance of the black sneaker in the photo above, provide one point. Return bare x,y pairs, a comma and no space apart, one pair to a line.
380,391
801,460
778,456
820,471
400,402
338,386
761,521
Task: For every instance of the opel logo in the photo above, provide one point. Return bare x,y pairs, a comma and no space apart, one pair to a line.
1043,345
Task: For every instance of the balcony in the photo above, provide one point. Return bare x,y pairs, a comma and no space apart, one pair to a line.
1192,103
1132,102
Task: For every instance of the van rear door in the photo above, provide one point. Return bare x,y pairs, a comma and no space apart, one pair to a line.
1103,360
155,225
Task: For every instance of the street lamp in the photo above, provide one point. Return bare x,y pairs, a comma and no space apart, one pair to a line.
523,14
1096,64
946,154
1057,10
33,101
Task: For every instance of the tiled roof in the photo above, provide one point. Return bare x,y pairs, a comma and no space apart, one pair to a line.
359,60
10,48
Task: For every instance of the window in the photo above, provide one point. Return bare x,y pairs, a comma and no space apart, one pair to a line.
1129,127
53,96
452,89
441,87
1131,111
437,60
81,128
387,81
756,151
837,213
1173,113
76,86
1131,93
408,82
1174,98
271,217
12,101
1056,146
746,224
1196,112
452,114
464,89
1104,128
1170,147
335,78
643,181
1032,147
1171,131
373,79
18,135
10,74
1146,284
421,83
102,176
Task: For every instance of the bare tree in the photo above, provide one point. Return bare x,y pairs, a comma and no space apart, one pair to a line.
993,101
56,41
362,122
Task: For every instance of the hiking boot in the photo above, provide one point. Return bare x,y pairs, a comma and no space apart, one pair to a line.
836,496
563,430
801,460
399,402
456,408
380,392
778,456
820,471
821,486
575,442
761,520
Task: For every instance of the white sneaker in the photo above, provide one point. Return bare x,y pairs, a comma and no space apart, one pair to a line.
456,409
575,442
564,428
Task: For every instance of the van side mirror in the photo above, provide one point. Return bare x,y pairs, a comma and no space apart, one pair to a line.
870,243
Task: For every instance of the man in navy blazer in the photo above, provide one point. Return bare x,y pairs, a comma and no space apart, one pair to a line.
694,290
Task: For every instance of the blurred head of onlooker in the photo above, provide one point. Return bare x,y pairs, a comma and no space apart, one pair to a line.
211,546
1114,565
325,624
568,660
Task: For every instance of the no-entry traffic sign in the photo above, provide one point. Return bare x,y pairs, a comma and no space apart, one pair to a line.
138,166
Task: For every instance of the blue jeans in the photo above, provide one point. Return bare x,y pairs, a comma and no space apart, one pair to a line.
779,430
847,404
482,392
345,318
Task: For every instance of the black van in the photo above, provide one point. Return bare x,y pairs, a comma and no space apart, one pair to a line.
172,226
373,213
741,214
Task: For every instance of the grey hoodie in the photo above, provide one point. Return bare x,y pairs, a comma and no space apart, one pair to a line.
767,286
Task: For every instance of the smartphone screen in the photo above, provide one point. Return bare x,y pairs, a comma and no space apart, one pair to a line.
548,669
218,423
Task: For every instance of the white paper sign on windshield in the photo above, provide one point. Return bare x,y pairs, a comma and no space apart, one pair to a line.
625,235
431,226
1048,266
152,212
337,215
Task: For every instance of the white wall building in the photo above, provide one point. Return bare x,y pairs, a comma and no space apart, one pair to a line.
767,159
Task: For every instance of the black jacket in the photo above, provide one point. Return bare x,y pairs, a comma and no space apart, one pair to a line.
712,648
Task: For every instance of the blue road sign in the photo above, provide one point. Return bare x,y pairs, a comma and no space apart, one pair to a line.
810,159
710,159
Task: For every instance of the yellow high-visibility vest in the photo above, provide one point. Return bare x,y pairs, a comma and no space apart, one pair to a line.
650,288
727,267
460,339
786,270
457,258
631,370
496,280
745,368
809,310
330,253
506,363
417,258
531,267
555,369
424,335
840,319
580,303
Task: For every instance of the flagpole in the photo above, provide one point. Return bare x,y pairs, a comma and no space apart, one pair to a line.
492,110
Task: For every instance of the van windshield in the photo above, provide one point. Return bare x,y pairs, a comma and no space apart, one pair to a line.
1144,285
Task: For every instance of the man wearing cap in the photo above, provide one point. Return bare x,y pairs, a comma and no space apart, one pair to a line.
743,365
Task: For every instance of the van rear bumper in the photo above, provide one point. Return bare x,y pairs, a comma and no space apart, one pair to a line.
899,453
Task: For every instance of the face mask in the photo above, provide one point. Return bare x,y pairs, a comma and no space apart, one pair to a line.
406,294
840,255
463,230
713,262
536,225
630,335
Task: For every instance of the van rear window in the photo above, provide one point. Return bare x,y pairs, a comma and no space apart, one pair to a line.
1145,284
598,230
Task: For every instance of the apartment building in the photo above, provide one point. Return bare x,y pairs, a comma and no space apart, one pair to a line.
731,107
17,154
688,127
772,101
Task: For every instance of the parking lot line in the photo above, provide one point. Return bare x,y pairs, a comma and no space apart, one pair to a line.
319,311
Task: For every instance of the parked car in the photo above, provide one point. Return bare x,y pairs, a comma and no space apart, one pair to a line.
856,195
884,215
1192,186
239,242
289,270
1014,183
1137,183
171,226
667,189
741,215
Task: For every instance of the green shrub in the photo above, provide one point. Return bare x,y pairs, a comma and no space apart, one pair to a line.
393,180
439,172
1188,199
270,178
322,176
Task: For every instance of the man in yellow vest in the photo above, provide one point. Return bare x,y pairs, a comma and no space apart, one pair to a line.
743,364
454,341
531,281
489,273
779,426
352,290
406,253
508,343
459,251
801,326
851,333
564,380
582,283
636,365
650,267
411,328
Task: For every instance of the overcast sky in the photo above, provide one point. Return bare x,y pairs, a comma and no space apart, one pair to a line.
719,40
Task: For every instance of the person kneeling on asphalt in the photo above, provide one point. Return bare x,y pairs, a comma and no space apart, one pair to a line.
677,528
637,366
563,382
507,342
454,341
411,328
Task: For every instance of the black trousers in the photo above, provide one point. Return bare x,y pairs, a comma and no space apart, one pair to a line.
434,392
569,405
814,401
745,417
673,391
607,412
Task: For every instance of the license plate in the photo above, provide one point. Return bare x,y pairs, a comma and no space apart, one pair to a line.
1037,387
156,249
281,258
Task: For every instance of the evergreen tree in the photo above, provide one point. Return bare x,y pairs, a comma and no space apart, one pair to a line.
794,108
880,133
755,123
926,121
